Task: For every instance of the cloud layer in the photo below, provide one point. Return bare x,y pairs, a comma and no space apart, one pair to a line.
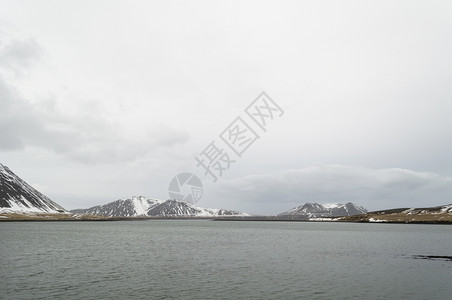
82,132
372,188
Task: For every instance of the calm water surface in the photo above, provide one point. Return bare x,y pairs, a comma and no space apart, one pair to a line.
193,259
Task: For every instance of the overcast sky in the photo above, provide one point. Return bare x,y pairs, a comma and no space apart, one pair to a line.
103,100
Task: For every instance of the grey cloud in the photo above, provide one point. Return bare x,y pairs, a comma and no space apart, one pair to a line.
372,188
83,136
17,120
17,55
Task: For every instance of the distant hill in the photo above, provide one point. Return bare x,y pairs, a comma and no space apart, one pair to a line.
436,214
316,210
140,206
17,196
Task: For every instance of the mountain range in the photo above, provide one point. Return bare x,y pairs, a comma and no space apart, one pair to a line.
316,210
140,206
17,196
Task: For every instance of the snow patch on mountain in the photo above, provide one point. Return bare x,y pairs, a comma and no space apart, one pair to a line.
142,205
331,205
447,209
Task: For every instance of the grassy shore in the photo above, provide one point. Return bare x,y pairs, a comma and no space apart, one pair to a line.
400,218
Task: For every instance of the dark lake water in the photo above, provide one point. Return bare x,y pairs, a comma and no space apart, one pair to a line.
200,259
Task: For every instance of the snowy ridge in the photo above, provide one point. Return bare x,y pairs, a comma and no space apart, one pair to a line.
17,196
316,210
140,206
444,209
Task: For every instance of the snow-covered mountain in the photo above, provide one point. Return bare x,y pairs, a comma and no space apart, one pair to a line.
18,196
316,210
139,206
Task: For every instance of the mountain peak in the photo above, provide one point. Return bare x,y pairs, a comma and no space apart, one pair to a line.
17,196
